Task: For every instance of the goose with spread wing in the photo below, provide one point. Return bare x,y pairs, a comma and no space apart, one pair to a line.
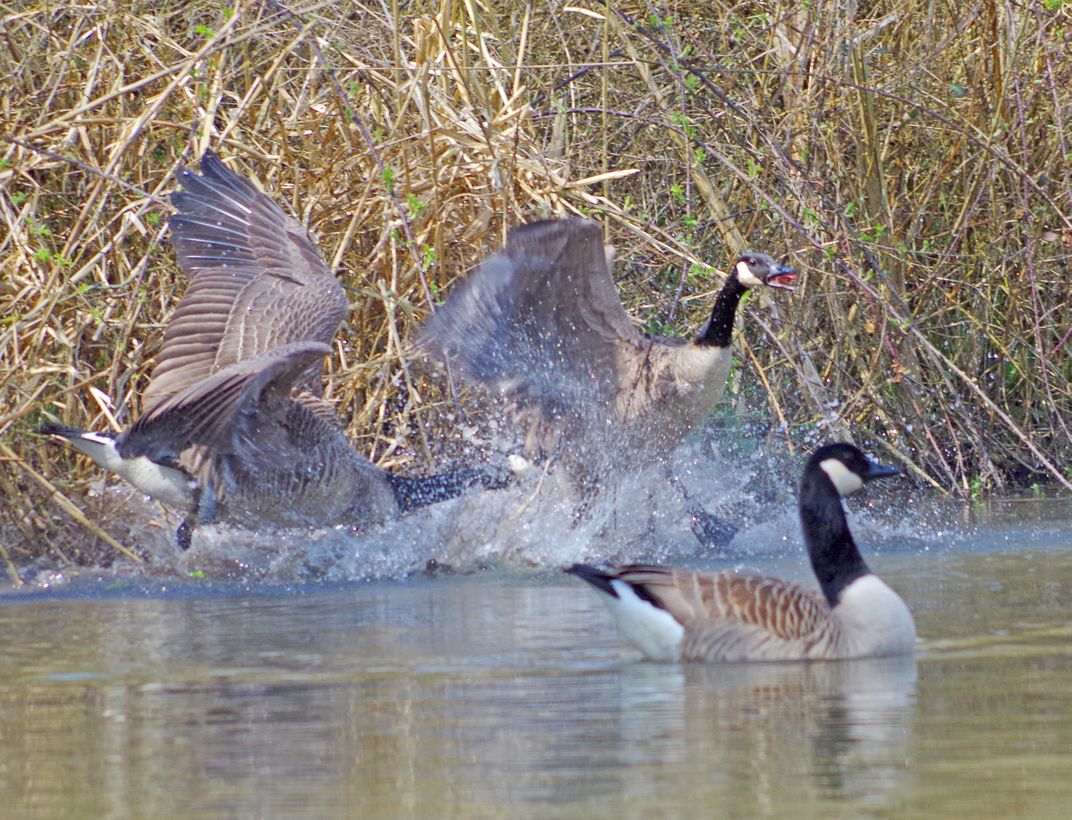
234,425
540,323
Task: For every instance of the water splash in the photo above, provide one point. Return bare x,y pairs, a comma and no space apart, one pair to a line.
649,514
655,513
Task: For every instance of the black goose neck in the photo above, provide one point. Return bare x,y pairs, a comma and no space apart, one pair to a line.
718,332
835,558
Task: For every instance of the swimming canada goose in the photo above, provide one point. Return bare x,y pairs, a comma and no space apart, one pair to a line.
540,322
673,614
234,426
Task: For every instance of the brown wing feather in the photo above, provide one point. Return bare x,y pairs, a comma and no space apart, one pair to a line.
256,282
541,322
783,609
199,426
212,412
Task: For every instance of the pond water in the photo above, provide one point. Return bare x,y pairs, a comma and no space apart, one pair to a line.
509,693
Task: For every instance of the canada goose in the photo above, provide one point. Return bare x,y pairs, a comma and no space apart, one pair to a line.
234,426
673,614
541,323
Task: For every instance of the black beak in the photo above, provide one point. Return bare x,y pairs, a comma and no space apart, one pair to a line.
876,470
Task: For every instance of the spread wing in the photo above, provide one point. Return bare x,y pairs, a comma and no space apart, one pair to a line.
541,322
212,412
195,427
256,282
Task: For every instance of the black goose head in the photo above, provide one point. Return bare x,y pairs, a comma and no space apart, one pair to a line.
834,470
753,268
847,467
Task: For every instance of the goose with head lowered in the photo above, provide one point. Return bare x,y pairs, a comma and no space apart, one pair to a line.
234,425
540,322
672,614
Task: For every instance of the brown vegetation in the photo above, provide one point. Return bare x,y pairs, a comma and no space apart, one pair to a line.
913,160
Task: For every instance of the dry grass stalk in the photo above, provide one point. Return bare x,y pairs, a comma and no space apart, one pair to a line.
916,168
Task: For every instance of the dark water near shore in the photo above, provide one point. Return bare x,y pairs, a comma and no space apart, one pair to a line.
509,693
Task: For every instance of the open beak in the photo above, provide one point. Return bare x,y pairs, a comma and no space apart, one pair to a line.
782,277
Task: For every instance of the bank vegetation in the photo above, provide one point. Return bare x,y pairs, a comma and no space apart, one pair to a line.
911,159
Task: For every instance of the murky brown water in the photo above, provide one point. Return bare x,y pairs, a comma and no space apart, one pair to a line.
511,694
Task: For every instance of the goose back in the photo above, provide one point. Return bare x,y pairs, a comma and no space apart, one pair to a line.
735,617
738,617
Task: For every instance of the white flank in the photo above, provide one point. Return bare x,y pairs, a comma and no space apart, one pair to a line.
654,631
845,480
745,275
874,619
165,484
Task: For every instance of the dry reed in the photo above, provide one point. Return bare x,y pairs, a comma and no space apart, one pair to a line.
913,161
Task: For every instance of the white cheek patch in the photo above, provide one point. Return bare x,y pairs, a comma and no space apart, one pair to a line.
845,480
745,275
